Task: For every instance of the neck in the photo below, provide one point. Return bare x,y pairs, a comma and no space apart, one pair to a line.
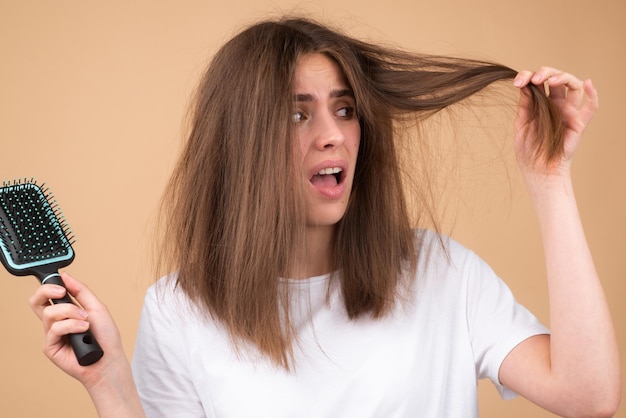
315,259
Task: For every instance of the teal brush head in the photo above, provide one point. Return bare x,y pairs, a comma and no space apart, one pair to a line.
36,240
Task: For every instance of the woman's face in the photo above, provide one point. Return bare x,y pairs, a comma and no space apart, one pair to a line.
329,134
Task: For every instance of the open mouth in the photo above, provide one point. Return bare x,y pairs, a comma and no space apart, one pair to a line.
328,177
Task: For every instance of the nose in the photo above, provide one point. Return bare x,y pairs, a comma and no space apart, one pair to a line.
328,132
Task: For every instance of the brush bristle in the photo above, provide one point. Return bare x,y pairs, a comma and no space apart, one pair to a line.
32,227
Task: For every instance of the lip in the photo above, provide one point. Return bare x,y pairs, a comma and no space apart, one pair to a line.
334,192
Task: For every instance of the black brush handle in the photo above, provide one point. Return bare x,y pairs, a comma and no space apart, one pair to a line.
85,345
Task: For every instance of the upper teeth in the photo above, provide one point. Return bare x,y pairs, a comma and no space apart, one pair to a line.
329,170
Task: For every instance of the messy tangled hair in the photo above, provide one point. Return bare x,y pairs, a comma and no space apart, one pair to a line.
234,206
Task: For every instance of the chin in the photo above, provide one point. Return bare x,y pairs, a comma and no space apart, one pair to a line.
328,217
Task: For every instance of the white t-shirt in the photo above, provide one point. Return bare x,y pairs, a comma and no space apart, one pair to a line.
423,360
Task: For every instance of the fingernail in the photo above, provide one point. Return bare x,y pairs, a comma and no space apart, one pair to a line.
518,81
537,77
58,290
83,314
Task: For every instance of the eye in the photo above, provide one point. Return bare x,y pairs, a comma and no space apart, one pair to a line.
346,112
297,117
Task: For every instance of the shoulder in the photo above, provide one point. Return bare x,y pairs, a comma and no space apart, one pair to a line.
167,301
440,252
446,267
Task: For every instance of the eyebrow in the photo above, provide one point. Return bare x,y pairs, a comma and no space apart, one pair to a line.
333,94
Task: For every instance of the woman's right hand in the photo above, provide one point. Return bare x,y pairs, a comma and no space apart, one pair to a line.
65,318
109,381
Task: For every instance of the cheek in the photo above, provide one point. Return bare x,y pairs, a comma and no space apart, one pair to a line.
304,143
355,139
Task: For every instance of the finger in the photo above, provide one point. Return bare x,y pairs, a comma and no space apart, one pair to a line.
543,74
565,85
41,298
68,326
55,339
592,104
57,313
81,292
539,77
522,78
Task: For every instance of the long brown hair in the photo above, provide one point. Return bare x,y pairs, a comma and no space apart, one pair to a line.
234,207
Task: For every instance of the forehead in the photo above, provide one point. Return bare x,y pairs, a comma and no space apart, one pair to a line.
318,71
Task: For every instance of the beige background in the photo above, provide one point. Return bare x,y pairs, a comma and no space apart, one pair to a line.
92,95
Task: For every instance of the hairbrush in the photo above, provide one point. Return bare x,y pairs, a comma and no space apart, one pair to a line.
36,240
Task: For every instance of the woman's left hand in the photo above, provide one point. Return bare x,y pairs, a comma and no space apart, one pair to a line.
577,102
576,370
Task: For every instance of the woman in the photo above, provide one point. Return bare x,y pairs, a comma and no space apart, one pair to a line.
300,287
